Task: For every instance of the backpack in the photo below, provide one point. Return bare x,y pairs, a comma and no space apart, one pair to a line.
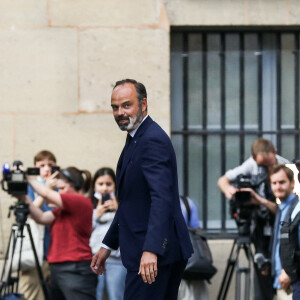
200,264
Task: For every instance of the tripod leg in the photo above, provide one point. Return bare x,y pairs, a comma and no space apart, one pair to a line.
42,282
247,276
7,254
241,273
238,276
231,262
8,286
4,285
247,271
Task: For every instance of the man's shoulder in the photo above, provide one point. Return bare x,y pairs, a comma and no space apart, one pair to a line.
155,130
295,211
248,167
282,160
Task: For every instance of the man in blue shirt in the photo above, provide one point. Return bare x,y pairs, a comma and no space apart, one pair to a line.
282,185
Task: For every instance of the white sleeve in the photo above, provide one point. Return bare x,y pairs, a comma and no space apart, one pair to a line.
246,168
106,247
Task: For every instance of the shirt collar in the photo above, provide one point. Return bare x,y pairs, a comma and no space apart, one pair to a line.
287,202
133,132
40,179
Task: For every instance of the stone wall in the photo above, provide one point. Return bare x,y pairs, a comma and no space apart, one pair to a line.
233,12
59,60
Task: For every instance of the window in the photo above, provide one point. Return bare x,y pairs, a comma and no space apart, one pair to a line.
227,89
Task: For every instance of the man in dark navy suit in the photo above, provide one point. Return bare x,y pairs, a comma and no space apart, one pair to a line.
148,226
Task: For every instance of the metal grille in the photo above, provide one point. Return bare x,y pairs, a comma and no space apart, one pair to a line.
228,88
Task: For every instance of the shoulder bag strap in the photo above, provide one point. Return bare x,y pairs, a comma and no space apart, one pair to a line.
188,209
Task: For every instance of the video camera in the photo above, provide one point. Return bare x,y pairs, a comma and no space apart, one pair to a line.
240,210
14,180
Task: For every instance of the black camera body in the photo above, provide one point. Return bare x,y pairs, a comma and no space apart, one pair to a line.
240,208
14,181
54,169
244,181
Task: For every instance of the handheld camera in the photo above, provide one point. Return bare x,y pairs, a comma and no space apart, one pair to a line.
14,180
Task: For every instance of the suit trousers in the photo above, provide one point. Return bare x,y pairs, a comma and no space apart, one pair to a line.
296,290
165,286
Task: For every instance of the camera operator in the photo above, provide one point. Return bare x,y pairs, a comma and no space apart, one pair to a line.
263,158
29,284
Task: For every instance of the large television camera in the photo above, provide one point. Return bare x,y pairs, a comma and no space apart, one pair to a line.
240,206
14,180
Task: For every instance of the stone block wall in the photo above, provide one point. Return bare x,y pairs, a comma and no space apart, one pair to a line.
233,12
59,60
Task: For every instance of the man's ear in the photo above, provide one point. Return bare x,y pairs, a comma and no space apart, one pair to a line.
275,151
144,105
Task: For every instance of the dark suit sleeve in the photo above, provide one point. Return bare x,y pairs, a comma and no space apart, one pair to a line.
111,238
158,168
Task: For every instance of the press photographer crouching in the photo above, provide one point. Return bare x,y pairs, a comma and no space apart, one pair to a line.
69,253
253,205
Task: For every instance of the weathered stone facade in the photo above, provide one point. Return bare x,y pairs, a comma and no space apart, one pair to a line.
59,60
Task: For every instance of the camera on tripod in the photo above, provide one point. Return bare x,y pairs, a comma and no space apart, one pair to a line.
240,206
244,181
14,180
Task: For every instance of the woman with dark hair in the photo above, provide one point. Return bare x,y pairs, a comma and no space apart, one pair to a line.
105,205
69,253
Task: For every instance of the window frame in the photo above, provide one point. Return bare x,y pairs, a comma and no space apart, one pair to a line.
204,132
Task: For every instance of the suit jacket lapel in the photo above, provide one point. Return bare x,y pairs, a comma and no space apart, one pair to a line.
124,159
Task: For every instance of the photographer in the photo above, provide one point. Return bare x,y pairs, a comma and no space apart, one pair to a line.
69,253
263,206
29,284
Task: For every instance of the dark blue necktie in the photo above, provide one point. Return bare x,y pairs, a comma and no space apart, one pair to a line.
127,144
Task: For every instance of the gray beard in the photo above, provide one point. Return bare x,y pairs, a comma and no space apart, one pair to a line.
133,122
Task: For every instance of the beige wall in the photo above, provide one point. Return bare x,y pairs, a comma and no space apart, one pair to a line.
233,12
59,60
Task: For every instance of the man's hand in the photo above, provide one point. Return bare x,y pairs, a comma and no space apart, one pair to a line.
258,200
255,198
51,180
101,210
98,261
230,191
284,280
148,267
226,188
